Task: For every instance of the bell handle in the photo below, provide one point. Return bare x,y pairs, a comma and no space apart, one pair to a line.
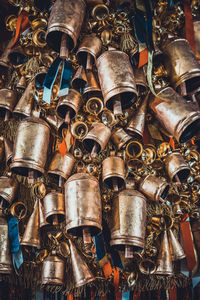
128,251
94,150
64,51
89,62
86,235
117,106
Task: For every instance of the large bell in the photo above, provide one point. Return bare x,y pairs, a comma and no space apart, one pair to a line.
25,104
8,100
53,270
5,256
177,251
30,146
31,236
81,272
176,167
128,220
82,204
61,165
8,189
54,208
180,118
164,261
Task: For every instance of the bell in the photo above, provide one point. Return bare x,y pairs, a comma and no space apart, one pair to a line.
79,130
39,78
182,65
137,122
5,256
61,165
54,208
195,227
30,146
119,92
17,56
177,251
154,188
79,81
128,220
176,115
177,210
94,106
8,100
81,273
147,266
89,50
83,206
97,138
21,85
42,220
25,104
8,146
122,3
70,103
2,148
8,189
4,60
134,149
113,172
65,18
176,167
57,123
164,260
140,80
31,236
53,271
120,138
92,89
197,38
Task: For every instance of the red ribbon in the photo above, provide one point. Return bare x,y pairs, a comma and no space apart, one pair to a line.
22,24
189,26
173,294
145,137
143,58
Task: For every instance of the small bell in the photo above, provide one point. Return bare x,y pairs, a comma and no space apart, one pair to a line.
177,251
53,271
54,208
57,123
140,79
164,260
176,167
92,88
17,56
21,85
120,138
8,189
8,100
79,81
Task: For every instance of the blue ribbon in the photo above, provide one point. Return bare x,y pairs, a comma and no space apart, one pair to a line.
13,232
99,246
125,295
51,77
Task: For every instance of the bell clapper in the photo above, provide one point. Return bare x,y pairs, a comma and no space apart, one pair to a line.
177,179
94,150
67,117
117,106
115,185
7,116
89,62
86,235
55,220
31,176
61,181
128,251
64,52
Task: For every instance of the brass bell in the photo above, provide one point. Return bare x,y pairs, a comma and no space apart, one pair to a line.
176,167
81,273
53,271
17,56
8,189
31,236
30,146
8,100
57,123
79,130
97,138
177,251
94,106
164,260
140,79
154,188
134,149
61,165
21,85
79,81
25,104
118,87
92,88
113,172
128,220
178,117
42,220
38,38
5,256
147,266
54,208
120,138
83,206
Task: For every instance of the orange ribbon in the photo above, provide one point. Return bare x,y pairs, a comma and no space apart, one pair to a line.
70,297
171,143
22,24
189,26
63,146
107,270
143,58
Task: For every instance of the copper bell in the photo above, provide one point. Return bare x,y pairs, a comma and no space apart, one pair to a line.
21,85
8,100
5,256
89,50
66,17
176,167
57,123
82,204
53,271
17,56
140,80
54,208
81,273
113,172
164,260
4,60
178,117
30,146
118,86
8,189
177,251
31,236
154,188
71,102
182,65
79,80
8,146
42,220
120,138
92,88
98,135
25,104
61,165
128,220
197,38
137,122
